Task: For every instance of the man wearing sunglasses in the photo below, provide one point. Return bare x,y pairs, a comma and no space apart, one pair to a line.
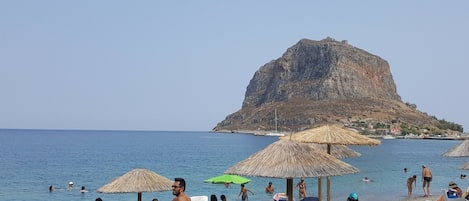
179,186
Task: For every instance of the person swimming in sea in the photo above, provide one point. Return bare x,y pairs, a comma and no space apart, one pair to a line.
366,180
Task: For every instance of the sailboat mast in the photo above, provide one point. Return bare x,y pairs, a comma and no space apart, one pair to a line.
276,125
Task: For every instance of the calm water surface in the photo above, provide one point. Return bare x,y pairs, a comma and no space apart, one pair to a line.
31,160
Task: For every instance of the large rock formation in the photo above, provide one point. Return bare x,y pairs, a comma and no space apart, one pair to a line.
317,82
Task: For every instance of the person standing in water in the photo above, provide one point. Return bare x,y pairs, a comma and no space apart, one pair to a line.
427,178
302,188
244,193
269,188
411,180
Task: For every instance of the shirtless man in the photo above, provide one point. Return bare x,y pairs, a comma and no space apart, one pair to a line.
302,188
244,193
427,178
269,188
179,188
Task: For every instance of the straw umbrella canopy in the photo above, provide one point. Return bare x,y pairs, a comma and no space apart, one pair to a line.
331,135
339,151
464,166
460,150
288,159
138,181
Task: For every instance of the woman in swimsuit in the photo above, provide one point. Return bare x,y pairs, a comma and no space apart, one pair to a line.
411,180
302,188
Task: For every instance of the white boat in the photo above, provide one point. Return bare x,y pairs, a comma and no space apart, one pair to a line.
276,133
389,137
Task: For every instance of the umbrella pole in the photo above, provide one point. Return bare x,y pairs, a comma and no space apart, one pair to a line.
328,188
327,178
290,189
139,196
320,188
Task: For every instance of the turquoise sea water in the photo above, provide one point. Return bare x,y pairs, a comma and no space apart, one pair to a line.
31,160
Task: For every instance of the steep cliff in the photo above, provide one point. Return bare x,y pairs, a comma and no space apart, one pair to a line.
316,82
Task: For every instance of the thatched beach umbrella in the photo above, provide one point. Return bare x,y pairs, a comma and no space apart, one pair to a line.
339,151
460,150
464,166
288,159
138,181
331,135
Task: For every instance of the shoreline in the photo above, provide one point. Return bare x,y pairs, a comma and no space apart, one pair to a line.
421,198
263,133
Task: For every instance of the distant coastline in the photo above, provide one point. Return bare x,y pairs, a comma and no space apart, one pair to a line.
263,133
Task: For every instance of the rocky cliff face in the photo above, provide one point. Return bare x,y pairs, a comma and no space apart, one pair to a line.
321,70
321,82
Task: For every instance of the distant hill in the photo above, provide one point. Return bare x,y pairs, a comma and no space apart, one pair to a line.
326,81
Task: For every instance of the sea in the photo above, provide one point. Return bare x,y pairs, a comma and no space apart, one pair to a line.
32,160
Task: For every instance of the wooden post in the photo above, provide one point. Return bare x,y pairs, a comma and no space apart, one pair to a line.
290,189
320,188
328,188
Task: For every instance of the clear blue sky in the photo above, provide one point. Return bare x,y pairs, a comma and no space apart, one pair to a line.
185,65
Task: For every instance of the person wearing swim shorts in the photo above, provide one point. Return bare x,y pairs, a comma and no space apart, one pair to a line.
427,178
244,193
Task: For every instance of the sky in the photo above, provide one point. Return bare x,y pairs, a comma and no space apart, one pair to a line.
185,65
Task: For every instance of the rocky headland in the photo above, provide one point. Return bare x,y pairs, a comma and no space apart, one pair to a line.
327,81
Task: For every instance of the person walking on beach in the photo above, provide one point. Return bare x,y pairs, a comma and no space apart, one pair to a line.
427,178
179,188
302,188
411,180
244,193
269,188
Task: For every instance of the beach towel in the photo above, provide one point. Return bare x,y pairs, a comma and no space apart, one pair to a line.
199,198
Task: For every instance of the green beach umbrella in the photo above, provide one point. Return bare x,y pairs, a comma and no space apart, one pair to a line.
228,178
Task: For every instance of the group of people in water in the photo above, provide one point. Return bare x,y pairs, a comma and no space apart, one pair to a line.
453,189
426,179
69,187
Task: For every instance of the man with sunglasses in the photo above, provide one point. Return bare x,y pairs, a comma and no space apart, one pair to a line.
179,187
